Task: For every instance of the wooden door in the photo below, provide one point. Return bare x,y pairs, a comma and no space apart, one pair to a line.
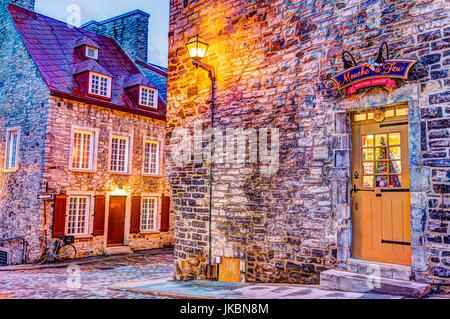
230,270
116,220
381,195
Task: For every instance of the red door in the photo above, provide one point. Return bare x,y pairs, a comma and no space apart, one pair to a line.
116,222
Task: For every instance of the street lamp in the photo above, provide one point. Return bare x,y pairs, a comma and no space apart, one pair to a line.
197,48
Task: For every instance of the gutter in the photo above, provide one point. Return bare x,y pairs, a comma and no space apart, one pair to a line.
113,106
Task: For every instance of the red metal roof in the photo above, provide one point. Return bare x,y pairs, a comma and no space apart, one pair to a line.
51,44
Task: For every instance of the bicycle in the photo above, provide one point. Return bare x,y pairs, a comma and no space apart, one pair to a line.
59,250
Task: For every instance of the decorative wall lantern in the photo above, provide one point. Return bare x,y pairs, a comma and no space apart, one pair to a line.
197,47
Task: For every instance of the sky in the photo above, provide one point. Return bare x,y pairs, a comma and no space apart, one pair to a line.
100,10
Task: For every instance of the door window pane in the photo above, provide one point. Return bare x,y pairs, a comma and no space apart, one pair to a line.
395,153
382,181
394,139
368,168
395,181
381,153
368,154
381,168
367,141
395,167
381,140
368,181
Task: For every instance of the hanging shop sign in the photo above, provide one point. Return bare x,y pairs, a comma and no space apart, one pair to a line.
376,72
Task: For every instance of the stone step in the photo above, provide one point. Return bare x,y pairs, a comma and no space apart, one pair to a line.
383,270
352,282
118,250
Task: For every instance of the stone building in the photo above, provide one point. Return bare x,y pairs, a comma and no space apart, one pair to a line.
83,125
275,62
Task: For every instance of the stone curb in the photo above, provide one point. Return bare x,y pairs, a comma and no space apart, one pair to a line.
90,260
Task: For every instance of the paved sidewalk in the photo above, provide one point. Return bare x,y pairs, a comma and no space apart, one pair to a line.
87,279
220,290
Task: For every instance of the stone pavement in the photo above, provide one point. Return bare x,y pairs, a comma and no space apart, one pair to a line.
89,280
220,290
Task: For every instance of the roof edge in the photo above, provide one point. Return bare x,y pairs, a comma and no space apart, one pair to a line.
124,15
148,66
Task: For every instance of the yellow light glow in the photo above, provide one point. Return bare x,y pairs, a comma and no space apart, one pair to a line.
197,47
119,192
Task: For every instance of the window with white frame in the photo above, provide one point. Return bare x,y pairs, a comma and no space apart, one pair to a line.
78,217
148,97
149,214
12,149
119,154
151,157
83,150
99,85
91,52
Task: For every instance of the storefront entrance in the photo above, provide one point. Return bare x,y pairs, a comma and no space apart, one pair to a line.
116,220
381,187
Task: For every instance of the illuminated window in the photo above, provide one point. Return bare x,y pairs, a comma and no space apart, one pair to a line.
119,154
151,158
91,52
12,149
78,217
149,214
83,150
148,97
100,85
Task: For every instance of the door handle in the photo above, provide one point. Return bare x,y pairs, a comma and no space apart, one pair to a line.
356,206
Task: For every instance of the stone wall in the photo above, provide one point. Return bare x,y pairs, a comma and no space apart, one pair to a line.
130,30
23,104
272,60
63,115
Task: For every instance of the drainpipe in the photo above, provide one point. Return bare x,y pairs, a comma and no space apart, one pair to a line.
212,75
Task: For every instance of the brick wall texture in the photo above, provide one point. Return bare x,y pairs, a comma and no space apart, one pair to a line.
272,60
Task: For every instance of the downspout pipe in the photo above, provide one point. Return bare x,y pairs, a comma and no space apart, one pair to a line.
212,75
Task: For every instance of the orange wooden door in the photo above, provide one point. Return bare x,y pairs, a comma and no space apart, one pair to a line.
230,270
381,195
116,220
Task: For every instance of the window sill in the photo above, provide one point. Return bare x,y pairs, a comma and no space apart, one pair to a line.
74,170
153,175
10,170
120,173
148,232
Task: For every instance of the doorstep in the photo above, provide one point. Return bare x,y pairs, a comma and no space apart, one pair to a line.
118,250
384,270
337,280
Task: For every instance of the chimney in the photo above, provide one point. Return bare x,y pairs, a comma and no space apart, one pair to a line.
27,4
130,30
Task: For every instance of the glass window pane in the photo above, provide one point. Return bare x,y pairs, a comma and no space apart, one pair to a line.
360,117
381,140
395,167
390,113
395,153
368,154
381,168
367,141
382,181
381,153
394,139
395,181
368,168
368,181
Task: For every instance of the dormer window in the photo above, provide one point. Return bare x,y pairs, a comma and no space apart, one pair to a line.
91,52
100,85
148,97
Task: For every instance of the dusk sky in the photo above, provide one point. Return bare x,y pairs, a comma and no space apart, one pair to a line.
104,9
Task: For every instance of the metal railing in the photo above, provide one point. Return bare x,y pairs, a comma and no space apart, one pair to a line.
24,244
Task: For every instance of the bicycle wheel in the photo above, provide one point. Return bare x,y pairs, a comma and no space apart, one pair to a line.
36,256
67,253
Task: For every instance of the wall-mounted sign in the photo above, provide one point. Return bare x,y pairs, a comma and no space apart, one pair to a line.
45,196
367,75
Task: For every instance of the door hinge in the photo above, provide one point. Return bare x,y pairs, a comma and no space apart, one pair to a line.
395,242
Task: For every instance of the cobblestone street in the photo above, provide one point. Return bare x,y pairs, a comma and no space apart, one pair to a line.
94,278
